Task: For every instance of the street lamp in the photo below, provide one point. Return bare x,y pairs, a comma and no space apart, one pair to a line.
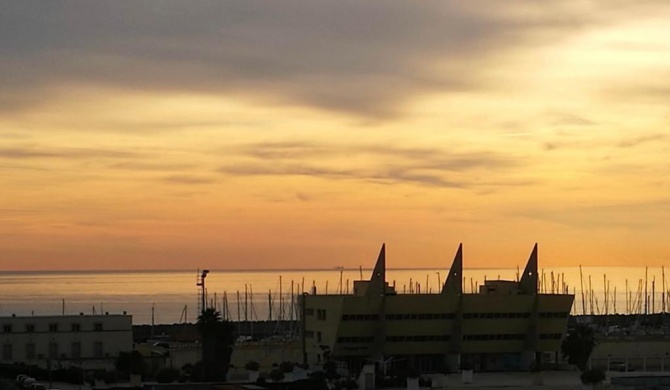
201,284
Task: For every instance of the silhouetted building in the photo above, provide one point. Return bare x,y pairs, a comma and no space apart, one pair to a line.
505,326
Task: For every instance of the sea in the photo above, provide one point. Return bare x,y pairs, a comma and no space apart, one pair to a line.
168,297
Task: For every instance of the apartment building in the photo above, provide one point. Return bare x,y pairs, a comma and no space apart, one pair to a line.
88,341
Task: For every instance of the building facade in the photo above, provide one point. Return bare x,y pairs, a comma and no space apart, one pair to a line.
505,326
88,341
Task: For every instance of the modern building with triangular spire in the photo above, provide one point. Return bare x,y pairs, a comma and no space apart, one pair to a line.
504,325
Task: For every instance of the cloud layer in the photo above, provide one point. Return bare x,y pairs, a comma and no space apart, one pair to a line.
361,58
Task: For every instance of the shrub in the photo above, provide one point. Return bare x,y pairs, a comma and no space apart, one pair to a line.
592,377
99,375
286,366
413,373
252,366
167,375
535,367
349,384
277,375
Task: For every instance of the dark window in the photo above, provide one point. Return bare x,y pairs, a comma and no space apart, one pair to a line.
97,327
550,336
7,352
309,312
418,338
53,327
318,337
53,350
97,349
30,328
30,351
321,314
309,334
7,328
76,350
76,327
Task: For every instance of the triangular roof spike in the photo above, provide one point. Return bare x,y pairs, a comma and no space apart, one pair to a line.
378,278
454,282
528,282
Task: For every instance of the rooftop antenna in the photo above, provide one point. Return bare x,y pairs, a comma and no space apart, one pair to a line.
340,286
581,281
663,295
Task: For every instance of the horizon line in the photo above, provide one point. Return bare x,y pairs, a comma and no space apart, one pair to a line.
333,269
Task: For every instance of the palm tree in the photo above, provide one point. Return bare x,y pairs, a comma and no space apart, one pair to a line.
593,377
578,345
217,341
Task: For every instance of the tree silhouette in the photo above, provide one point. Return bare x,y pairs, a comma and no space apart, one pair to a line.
578,345
131,363
217,342
593,377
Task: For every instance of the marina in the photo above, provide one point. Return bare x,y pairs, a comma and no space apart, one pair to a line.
168,297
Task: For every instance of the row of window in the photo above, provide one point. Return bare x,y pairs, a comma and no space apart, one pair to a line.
515,336
355,339
421,338
434,338
53,351
496,315
550,336
554,314
396,317
482,337
309,334
557,314
421,316
54,327
320,313
447,316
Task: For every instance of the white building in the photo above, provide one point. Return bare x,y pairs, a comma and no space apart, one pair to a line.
89,341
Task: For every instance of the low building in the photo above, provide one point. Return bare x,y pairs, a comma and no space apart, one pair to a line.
505,326
87,341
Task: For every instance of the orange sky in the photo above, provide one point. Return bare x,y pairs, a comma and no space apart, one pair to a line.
299,134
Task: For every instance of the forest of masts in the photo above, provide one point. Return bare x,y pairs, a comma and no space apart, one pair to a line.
641,297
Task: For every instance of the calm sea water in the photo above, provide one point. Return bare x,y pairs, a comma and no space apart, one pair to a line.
172,296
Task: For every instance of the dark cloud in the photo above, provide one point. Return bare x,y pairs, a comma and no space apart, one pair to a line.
569,120
188,179
627,143
420,157
365,58
629,216
63,153
152,166
579,143
386,164
382,176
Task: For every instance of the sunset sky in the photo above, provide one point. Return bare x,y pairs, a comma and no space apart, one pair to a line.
303,134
